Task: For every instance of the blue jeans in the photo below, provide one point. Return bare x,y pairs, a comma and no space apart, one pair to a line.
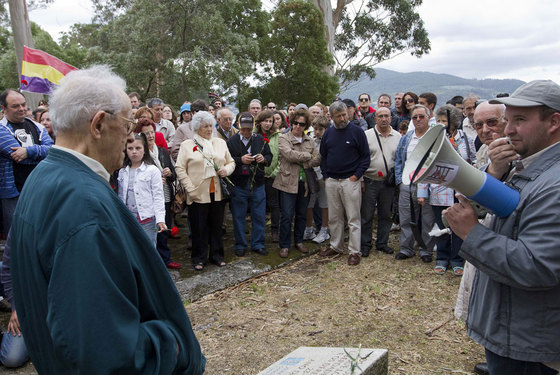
8,208
241,198
13,352
291,204
498,365
151,230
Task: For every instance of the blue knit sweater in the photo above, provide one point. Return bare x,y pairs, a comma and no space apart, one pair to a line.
344,152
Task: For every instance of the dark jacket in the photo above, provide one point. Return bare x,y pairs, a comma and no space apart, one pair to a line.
243,173
86,278
370,119
165,160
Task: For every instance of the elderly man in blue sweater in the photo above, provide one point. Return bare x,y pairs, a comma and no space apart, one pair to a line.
344,159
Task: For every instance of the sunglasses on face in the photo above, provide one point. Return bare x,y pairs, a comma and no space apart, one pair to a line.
296,123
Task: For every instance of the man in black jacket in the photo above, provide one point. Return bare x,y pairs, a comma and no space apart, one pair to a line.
251,154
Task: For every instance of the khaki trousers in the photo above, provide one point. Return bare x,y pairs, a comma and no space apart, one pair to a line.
344,197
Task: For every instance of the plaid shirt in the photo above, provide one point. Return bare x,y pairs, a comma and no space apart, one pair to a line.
35,154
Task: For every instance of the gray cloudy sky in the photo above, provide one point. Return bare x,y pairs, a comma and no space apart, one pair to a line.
472,39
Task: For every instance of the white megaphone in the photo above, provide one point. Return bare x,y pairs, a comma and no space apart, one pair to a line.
441,164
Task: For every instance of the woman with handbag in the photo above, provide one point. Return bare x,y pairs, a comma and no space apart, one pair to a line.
297,156
202,164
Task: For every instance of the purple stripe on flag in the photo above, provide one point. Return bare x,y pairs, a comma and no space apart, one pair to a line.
36,84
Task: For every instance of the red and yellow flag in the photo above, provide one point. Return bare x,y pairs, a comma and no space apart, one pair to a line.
41,72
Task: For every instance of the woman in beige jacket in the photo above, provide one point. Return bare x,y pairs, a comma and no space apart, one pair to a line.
297,153
200,163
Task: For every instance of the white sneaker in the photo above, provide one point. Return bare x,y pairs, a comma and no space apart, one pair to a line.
309,234
322,237
395,227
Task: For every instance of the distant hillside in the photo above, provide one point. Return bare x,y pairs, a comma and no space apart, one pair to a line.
445,86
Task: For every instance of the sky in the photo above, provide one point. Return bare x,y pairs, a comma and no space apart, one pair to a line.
471,39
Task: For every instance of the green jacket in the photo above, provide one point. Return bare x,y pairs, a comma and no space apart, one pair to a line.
92,294
272,170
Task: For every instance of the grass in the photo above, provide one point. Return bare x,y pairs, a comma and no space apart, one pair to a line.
382,303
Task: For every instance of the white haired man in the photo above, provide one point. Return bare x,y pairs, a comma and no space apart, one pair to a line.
162,125
224,129
420,118
91,291
255,107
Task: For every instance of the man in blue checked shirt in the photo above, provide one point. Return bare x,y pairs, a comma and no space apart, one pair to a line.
23,144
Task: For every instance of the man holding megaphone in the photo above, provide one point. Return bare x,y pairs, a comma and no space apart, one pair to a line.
514,309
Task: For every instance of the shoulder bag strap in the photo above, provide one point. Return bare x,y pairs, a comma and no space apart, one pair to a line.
382,154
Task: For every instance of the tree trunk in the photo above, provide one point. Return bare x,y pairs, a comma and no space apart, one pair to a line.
330,29
22,36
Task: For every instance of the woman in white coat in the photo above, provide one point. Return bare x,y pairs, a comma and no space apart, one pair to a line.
201,163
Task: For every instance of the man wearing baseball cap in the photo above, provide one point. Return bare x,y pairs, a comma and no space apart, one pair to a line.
251,154
514,307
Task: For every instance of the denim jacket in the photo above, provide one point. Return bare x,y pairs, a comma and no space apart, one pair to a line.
148,191
400,157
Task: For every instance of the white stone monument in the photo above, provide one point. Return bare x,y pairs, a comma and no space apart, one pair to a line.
330,361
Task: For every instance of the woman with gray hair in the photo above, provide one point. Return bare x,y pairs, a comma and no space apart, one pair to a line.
201,162
441,197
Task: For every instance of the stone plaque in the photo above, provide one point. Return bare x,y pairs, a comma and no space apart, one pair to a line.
329,361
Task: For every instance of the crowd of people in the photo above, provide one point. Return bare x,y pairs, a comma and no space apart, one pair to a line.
316,170
312,170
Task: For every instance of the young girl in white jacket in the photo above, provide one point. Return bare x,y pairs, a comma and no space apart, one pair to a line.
141,187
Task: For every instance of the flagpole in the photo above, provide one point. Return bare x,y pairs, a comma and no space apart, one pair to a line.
22,36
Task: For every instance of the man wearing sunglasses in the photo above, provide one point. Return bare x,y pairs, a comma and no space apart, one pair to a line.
364,105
